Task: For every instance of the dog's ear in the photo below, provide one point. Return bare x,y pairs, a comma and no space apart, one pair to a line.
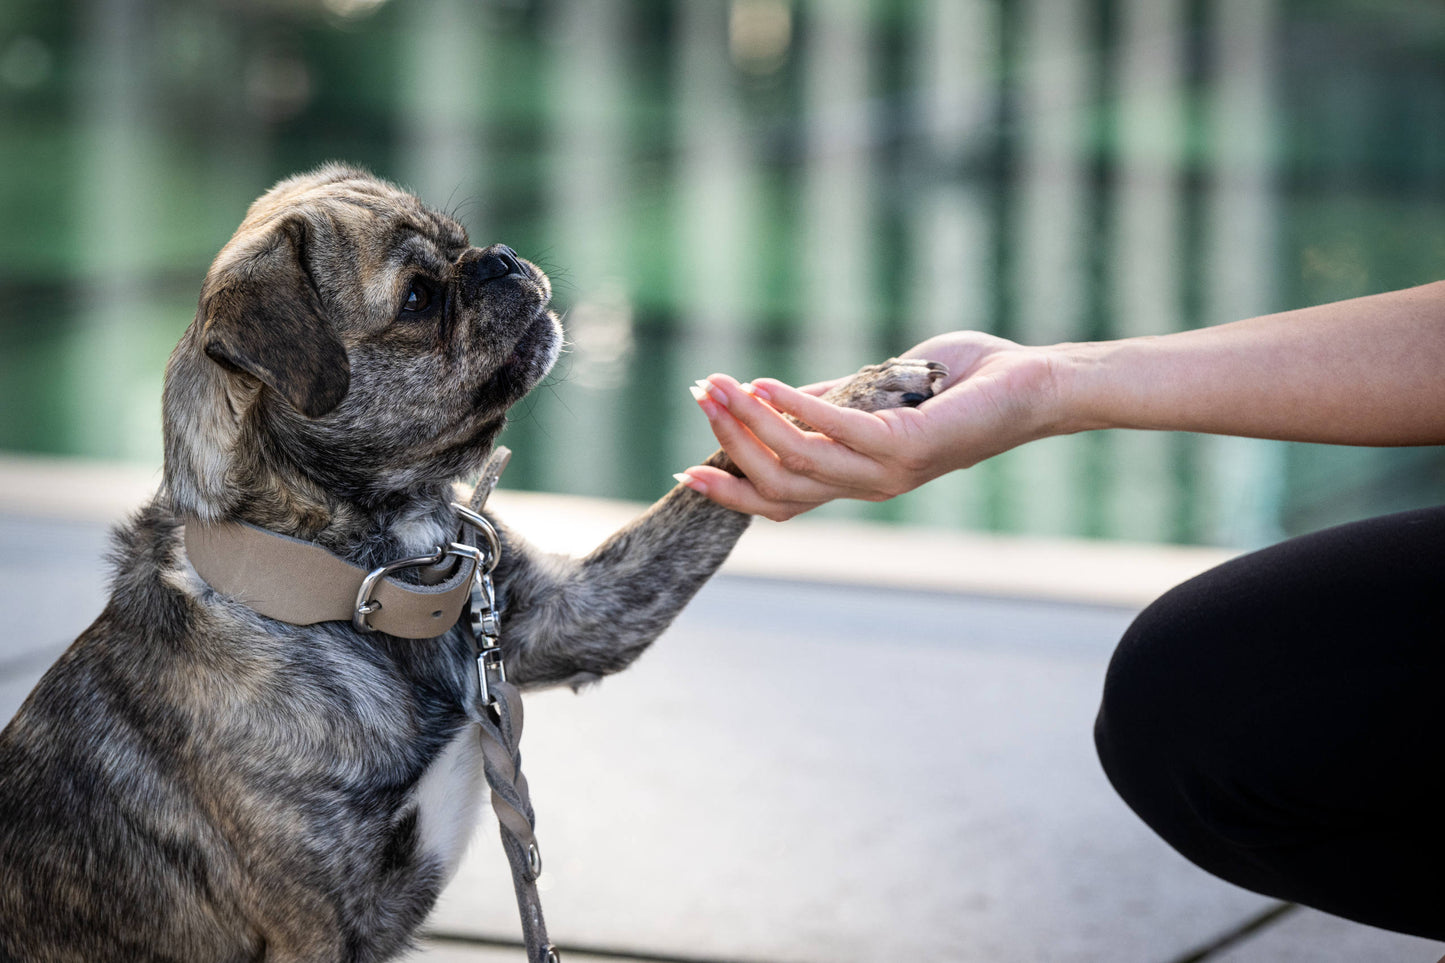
262,315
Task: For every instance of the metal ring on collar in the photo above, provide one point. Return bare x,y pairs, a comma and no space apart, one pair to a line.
493,554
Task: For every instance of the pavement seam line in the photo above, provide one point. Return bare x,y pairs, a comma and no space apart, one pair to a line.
1244,930
577,949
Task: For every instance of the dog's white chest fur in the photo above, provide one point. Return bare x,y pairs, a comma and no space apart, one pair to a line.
449,798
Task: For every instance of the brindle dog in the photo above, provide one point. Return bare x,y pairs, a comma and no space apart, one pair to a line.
193,781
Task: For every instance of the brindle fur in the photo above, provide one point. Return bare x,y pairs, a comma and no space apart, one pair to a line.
194,782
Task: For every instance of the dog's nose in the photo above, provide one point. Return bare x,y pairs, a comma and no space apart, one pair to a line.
498,261
510,256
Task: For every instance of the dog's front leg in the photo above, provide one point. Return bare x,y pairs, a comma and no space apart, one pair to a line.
569,620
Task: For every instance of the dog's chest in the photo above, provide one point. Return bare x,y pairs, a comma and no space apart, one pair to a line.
449,798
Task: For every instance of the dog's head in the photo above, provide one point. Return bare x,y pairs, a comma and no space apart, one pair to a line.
349,340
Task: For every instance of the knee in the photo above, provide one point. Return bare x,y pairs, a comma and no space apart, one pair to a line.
1176,731
1154,721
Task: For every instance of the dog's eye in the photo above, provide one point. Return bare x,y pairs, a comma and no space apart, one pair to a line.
418,298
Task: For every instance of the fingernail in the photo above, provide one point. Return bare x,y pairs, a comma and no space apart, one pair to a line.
756,392
714,392
685,479
697,392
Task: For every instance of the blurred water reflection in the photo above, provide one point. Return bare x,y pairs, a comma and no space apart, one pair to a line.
755,186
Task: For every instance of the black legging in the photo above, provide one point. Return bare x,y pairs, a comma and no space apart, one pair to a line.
1280,720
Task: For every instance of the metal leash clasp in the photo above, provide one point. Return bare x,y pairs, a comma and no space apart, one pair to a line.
498,717
484,618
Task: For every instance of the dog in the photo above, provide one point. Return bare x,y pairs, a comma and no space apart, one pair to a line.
196,781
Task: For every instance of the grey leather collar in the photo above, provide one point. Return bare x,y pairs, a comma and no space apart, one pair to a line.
302,583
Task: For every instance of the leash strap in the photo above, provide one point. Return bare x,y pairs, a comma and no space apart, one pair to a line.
500,728
497,713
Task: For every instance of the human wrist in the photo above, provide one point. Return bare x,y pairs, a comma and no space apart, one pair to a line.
1115,384
1079,374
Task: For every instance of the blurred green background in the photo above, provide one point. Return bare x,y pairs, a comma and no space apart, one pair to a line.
762,187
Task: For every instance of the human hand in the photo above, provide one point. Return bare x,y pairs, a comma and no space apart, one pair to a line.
997,395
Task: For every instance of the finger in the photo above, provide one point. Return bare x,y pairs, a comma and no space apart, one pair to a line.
750,454
862,431
760,418
784,480
767,476
783,460
739,494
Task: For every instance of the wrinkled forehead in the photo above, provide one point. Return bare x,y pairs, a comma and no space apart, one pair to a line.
390,239
372,214
388,223
362,232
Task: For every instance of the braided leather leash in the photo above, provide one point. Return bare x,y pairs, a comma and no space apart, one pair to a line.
497,713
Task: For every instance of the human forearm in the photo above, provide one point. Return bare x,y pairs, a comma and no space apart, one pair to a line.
1369,371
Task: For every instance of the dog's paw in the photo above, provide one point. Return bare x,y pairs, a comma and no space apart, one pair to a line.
896,383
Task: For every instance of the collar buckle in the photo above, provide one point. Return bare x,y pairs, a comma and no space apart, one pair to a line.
366,605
